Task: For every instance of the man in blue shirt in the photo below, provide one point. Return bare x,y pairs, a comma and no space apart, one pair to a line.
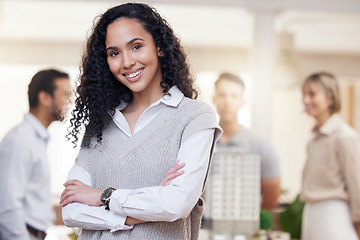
26,209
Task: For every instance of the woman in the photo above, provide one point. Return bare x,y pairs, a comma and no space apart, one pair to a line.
136,101
331,180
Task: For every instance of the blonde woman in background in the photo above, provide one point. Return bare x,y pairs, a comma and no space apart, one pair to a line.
331,176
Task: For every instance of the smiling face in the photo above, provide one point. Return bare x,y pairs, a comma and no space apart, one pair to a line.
132,56
316,103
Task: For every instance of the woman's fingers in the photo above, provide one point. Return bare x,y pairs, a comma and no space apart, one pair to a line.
176,167
180,166
69,188
76,191
66,197
173,173
179,173
67,200
73,182
171,177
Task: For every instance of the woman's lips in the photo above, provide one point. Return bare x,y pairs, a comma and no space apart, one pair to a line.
134,75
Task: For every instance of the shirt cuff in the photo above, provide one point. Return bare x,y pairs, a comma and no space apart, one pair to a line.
117,200
120,222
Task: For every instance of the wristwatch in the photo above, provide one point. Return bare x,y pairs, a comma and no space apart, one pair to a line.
105,196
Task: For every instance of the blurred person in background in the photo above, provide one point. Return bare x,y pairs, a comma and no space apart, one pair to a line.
26,209
331,176
228,100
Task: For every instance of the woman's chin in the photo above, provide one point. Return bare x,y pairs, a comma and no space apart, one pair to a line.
311,114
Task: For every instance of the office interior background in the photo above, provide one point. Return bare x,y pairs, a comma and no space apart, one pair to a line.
273,45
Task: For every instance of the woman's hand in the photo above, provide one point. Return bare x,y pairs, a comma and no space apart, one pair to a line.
132,221
173,173
76,191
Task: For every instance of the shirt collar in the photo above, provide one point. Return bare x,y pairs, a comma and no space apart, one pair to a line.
172,98
329,126
38,127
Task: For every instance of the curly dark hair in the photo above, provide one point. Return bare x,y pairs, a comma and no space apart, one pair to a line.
99,92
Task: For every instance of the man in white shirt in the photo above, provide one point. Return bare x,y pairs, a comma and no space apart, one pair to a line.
26,210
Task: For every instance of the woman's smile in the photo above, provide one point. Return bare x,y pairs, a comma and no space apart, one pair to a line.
133,76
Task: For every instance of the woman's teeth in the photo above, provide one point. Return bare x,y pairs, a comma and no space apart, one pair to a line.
132,75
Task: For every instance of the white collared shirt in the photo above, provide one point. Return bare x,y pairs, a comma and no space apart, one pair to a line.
155,203
25,180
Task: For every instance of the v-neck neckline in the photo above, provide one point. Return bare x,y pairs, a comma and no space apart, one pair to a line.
123,124
131,143
126,127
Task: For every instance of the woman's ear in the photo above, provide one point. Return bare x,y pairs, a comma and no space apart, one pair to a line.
159,52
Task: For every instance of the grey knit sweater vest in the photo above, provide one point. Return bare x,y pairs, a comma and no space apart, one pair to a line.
143,160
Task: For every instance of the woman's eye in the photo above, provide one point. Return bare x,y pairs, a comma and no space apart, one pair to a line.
113,54
137,46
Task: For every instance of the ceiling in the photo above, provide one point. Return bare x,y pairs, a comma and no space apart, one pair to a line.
325,26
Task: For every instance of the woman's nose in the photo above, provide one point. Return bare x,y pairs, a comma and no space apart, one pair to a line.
306,99
128,60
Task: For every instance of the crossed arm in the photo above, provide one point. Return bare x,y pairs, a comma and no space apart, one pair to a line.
172,199
77,191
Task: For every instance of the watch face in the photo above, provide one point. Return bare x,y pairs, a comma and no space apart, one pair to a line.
106,193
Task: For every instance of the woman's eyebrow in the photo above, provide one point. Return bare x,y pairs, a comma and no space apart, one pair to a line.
127,44
110,48
133,40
